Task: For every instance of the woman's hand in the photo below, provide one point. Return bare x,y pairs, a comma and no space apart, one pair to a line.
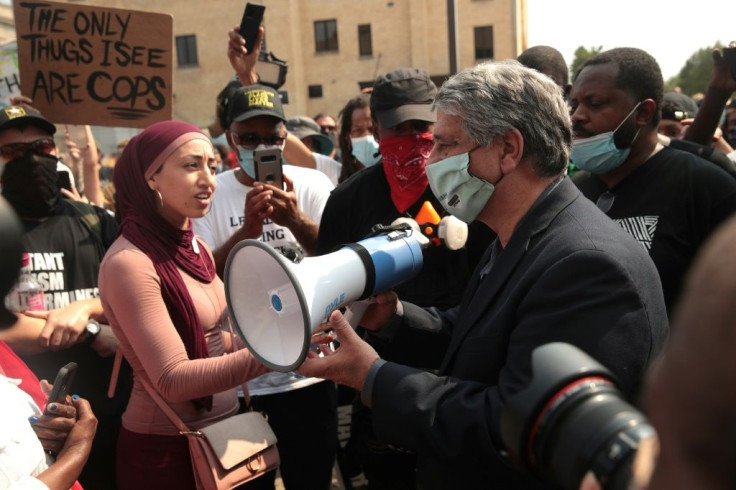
75,449
53,427
79,440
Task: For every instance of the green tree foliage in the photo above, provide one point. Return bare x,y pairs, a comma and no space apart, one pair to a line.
581,56
694,76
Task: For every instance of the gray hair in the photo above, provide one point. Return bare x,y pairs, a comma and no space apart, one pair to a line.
493,98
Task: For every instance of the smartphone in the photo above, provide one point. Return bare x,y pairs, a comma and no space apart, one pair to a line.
729,55
63,181
63,383
252,18
268,167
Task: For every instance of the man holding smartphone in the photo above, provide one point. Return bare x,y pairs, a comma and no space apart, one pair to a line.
244,208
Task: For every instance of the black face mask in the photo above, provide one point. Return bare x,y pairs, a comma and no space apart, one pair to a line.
29,185
731,137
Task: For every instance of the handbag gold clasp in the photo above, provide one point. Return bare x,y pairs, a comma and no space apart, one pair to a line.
249,464
194,433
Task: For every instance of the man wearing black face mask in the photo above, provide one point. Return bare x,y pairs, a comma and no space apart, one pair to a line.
667,199
65,243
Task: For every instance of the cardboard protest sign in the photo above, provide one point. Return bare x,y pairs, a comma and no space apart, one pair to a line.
9,79
102,66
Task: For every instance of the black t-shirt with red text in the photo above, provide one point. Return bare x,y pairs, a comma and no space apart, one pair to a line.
65,253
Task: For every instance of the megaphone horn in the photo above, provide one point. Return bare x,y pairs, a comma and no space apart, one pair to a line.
276,304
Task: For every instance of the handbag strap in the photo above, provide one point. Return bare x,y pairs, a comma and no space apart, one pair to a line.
115,373
183,429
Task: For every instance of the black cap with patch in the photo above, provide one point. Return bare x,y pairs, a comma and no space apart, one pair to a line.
677,106
253,101
12,116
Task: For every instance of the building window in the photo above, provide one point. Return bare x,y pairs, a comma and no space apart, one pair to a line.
315,91
365,45
483,43
186,50
325,35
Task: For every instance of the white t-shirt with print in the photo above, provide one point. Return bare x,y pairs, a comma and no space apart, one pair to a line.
226,216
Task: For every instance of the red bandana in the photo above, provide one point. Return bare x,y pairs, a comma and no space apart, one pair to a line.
404,159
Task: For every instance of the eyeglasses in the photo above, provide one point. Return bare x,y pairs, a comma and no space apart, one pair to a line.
43,147
605,201
250,141
328,129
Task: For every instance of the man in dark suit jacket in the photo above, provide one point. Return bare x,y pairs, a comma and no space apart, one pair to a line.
560,271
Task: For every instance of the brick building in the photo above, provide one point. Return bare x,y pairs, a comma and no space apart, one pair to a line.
333,47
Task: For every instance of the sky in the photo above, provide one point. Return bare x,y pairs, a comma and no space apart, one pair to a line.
669,31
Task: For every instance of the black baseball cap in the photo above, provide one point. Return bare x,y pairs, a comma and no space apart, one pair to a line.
403,95
12,116
677,106
253,101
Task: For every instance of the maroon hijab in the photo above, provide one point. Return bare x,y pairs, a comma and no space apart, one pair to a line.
168,247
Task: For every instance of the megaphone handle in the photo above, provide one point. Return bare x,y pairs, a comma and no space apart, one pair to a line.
355,311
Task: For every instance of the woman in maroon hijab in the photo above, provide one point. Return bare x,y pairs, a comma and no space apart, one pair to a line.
166,304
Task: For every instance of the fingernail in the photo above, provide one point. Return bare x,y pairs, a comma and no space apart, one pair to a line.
76,397
52,407
33,419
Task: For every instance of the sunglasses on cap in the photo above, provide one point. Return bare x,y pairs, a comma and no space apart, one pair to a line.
42,147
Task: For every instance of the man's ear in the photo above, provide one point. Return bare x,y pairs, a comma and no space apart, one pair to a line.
512,150
645,112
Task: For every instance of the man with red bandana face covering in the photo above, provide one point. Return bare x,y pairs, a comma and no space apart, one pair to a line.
401,108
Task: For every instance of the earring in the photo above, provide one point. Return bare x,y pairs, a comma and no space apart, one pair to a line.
160,198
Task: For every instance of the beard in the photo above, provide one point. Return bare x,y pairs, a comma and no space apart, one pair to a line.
625,135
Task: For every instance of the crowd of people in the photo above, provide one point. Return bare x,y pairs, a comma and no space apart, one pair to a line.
588,202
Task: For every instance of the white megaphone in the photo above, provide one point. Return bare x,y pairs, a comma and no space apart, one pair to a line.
276,304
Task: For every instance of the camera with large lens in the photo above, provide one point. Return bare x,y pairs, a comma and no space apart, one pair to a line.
572,419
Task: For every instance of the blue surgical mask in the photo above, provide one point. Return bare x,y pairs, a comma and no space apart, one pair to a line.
463,195
365,150
246,158
599,154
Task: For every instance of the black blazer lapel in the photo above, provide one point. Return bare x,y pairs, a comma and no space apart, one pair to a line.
483,297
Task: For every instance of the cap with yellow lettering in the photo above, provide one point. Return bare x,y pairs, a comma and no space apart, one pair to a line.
253,101
13,116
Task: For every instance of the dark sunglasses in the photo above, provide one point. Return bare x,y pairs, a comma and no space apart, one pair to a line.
43,147
605,201
251,141
328,129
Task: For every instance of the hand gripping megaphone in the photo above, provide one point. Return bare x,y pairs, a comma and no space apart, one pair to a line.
276,304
